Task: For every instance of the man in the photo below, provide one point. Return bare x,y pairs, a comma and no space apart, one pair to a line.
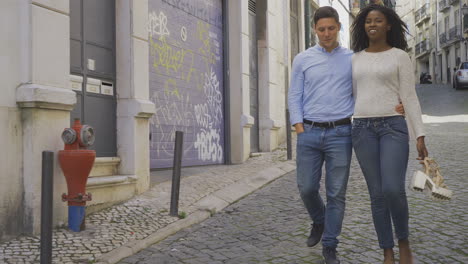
321,105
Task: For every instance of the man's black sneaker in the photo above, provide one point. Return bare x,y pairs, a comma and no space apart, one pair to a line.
329,254
315,235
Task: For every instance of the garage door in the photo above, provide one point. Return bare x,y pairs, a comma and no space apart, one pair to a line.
186,80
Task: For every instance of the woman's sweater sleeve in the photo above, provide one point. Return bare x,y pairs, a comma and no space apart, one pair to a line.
408,96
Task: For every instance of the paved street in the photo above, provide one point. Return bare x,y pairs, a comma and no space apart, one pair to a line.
270,225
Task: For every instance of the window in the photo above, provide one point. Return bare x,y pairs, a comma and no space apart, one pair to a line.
446,20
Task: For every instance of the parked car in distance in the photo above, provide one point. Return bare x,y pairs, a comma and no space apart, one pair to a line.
460,77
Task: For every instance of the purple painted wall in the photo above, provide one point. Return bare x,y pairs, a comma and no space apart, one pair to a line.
186,80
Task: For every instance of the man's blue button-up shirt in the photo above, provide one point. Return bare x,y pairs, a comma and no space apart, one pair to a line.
321,85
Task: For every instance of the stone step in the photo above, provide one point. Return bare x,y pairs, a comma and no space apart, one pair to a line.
105,166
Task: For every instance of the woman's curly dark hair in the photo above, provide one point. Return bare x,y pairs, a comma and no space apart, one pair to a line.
395,36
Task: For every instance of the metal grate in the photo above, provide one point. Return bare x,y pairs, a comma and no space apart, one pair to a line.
253,6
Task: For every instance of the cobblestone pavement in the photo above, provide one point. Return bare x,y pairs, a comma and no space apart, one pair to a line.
138,218
271,225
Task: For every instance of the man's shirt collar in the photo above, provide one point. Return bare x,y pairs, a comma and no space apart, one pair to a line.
322,49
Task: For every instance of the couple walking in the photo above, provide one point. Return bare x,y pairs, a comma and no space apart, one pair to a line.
329,84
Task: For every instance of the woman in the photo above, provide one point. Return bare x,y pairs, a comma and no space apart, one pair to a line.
382,77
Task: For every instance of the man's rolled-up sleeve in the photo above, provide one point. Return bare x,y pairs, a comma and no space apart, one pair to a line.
295,92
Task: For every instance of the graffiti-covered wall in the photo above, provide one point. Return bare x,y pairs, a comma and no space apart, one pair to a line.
186,80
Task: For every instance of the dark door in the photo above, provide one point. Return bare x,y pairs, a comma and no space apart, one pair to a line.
92,58
449,71
294,25
254,130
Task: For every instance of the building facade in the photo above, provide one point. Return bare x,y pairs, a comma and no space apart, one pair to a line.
450,38
420,17
405,9
356,5
137,71
424,44
437,40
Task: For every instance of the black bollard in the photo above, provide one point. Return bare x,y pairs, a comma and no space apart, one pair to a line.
288,136
47,191
179,142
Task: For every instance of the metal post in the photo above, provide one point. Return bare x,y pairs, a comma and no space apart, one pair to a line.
179,141
46,206
288,136
226,87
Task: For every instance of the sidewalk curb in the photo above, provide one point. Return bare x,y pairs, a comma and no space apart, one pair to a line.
206,207
134,246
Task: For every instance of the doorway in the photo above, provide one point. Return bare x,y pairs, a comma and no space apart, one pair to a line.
92,68
253,71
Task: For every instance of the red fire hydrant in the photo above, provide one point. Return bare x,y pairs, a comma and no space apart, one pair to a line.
76,162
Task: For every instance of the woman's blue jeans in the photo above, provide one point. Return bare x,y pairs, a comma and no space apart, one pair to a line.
381,147
314,147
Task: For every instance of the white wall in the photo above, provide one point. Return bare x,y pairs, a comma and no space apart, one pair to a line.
405,9
34,107
272,66
271,78
10,119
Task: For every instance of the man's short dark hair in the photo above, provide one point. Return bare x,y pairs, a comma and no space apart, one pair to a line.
326,12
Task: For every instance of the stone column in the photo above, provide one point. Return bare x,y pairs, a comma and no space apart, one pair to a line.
133,105
239,77
271,77
45,99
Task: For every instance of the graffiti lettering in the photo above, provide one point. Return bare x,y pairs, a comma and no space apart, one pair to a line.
183,33
214,97
208,145
171,58
185,80
210,114
173,112
157,24
203,34
203,116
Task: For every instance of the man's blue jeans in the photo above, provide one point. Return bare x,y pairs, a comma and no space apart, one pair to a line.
381,147
332,146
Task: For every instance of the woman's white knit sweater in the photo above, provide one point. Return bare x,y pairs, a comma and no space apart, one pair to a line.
381,81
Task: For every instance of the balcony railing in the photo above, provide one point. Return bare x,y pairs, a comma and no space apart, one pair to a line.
465,23
454,33
443,5
442,38
422,47
422,14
